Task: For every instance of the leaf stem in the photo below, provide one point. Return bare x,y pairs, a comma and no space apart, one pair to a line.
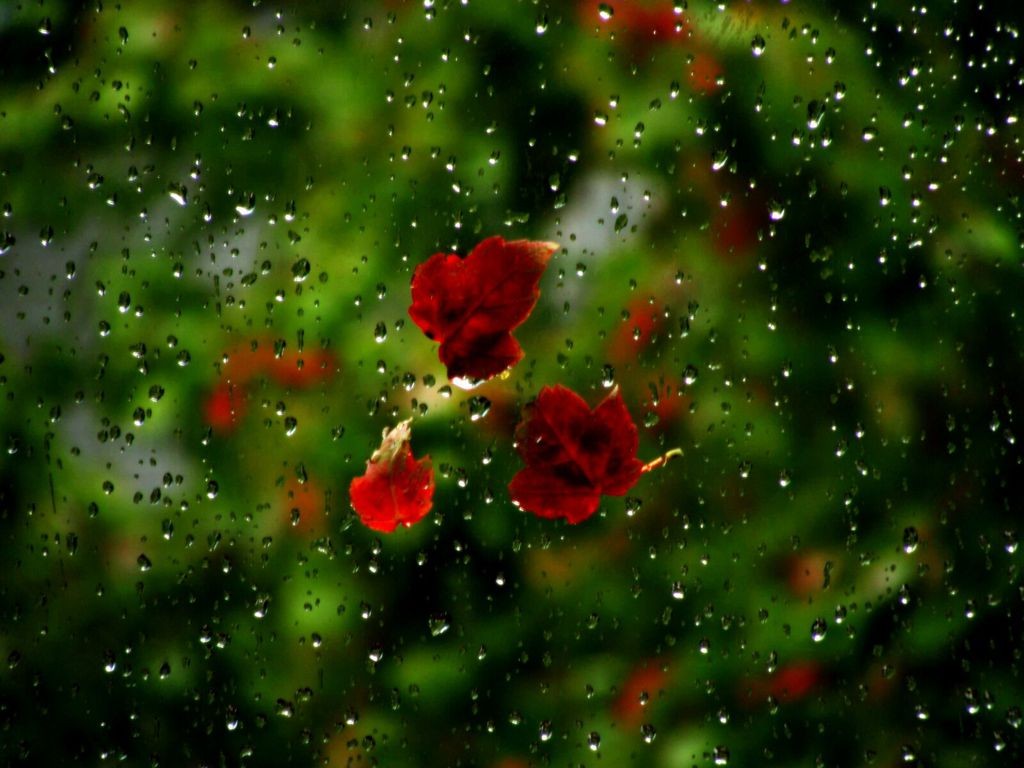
661,460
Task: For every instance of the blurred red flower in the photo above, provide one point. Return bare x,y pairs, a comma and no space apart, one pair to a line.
304,504
635,19
225,405
643,683
636,332
805,573
704,73
791,682
734,229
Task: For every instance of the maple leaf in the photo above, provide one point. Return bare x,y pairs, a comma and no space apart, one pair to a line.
396,488
471,305
574,455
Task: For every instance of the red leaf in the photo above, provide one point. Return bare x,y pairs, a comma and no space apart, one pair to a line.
472,305
397,488
574,455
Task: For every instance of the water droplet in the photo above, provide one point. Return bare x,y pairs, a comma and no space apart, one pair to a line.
462,382
689,375
439,623
607,376
380,332
757,45
648,732
594,741
144,563
776,210
247,205
478,408
815,114
178,193
605,11
971,698
1010,542
910,539
903,595
818,630
300,270
544,731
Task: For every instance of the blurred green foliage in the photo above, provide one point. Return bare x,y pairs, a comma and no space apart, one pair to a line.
791,234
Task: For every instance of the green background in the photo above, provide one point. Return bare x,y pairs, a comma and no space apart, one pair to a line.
791,234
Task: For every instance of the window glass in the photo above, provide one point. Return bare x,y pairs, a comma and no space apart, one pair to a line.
502,383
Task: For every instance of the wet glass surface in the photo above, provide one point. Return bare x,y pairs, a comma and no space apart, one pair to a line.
741,487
